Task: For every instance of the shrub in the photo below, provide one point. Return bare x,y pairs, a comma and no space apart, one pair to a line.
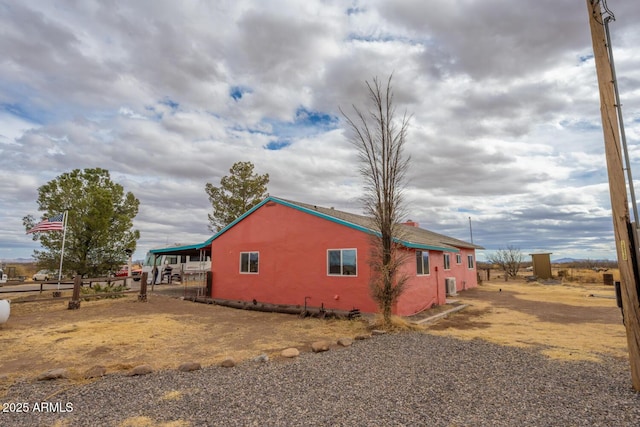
111,291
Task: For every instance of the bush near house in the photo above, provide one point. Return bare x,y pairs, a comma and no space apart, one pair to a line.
103,291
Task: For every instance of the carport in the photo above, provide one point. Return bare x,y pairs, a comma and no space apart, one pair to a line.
198,251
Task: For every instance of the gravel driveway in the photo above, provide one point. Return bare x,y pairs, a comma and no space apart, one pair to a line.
409,379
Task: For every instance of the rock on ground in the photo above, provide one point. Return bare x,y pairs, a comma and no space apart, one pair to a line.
228,363
95,372
140,370
53,374
189,367
345,342
320,346
290,352
392,380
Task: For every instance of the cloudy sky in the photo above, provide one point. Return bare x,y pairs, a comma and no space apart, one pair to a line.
167,95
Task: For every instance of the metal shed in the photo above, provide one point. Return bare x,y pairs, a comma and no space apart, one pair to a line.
542,265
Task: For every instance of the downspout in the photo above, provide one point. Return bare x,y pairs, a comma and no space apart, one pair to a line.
437,286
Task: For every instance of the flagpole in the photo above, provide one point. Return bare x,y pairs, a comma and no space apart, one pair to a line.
64,234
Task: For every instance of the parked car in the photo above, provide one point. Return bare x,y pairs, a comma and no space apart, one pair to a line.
44,275
136,271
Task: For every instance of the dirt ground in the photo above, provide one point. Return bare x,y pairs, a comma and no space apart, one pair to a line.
163,332
562,321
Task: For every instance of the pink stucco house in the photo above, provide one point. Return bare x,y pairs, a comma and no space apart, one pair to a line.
285,252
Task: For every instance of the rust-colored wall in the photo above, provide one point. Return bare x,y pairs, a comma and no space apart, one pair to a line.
293,261
293,264
425,291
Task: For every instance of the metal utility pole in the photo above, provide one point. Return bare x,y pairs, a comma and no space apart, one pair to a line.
624,230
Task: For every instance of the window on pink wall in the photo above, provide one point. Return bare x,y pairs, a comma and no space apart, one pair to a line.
249,262
422,263
447,261
458,259
470,261
342,262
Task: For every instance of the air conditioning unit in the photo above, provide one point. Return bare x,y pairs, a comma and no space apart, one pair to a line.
450,283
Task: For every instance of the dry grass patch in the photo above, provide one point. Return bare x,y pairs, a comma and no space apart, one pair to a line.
398,324
584,275
164,332
149,422
561,321
566,293
300,333
172,395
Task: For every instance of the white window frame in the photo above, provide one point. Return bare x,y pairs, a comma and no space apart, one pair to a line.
422,261
446,261
458,259
249,262
341,250
470,262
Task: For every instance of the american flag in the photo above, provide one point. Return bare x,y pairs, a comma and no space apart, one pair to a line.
55,223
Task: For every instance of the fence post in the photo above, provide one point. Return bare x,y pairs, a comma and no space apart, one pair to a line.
74,304
607,278
209,284
143,287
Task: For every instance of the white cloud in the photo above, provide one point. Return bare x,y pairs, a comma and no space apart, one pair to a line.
12,127
505,124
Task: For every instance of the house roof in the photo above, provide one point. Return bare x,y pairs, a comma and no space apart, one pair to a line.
412,237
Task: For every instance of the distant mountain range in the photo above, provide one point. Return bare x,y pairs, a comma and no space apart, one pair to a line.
16,260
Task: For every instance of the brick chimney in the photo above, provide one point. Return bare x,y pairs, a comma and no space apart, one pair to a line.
411,223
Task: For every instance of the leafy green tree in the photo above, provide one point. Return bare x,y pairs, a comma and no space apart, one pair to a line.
380,138
238,193
99,222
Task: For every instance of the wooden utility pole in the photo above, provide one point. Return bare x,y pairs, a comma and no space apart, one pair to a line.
623,229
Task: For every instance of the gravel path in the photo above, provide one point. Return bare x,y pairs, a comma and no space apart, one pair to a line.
408,379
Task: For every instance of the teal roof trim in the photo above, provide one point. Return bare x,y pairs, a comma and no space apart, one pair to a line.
179,248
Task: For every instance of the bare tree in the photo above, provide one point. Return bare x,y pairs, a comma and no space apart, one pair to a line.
380,139
509,260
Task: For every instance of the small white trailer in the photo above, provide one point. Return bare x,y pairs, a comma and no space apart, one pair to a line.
178,264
